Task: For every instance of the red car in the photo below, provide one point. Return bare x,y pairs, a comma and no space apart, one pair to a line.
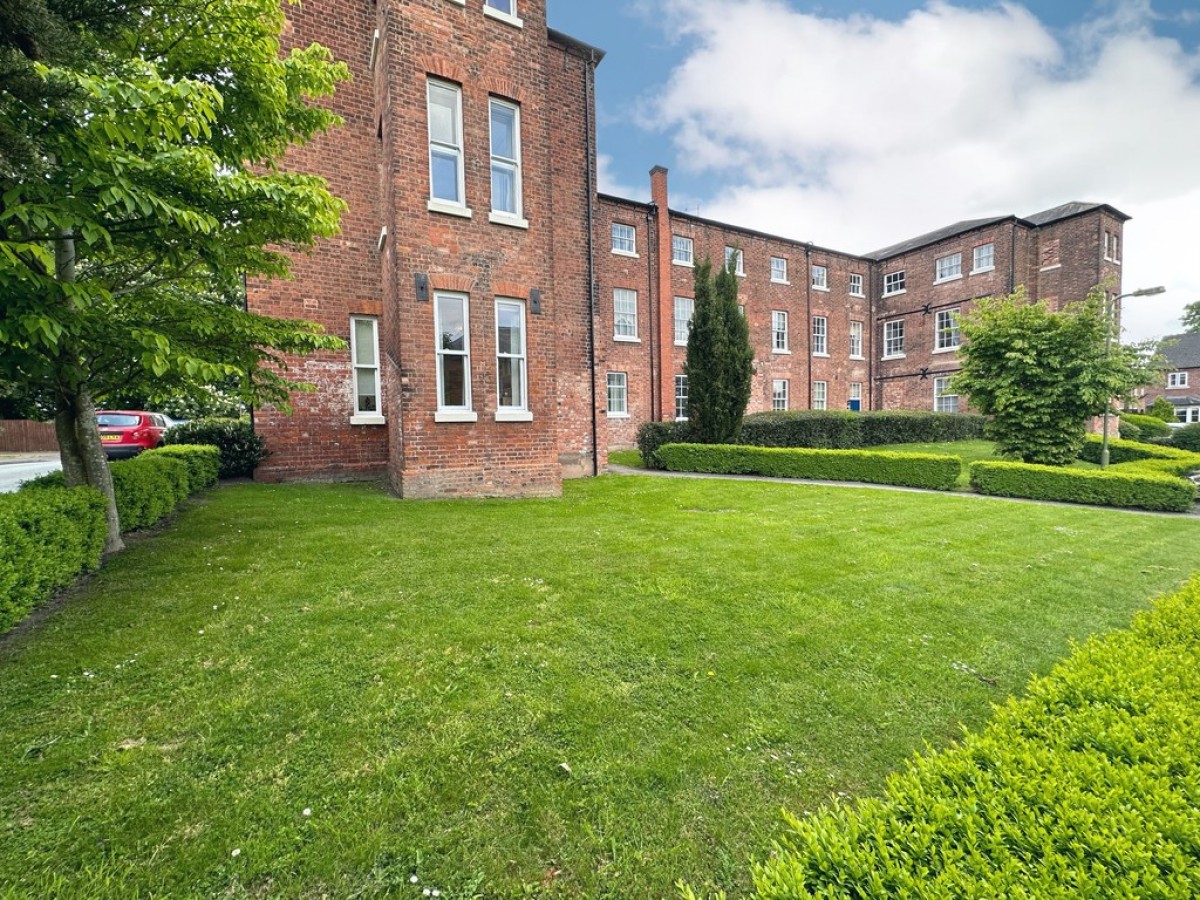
125,433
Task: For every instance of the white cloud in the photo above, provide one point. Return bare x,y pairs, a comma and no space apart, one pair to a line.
608,183
858,132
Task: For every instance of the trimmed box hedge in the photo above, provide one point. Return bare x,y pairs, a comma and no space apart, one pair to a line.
1131,451
653,435
203,463
920,470
241,448
47,538
1087,787
836,429
1148,426
1111,487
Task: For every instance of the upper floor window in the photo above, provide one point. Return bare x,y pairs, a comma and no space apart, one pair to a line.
364,351
735,255
820,278
779,270
506,158
856,285
625,314
893,283
948,267
820,336
684,307
624,239
948,336
505,10
893,338
445,145
779,331
984,258
681,250
1177,379
1112,246
510,357
943,400
856,336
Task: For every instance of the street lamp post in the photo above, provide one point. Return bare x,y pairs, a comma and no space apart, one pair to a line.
1111,308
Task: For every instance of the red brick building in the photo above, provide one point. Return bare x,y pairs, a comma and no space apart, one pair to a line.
1181,384
507,324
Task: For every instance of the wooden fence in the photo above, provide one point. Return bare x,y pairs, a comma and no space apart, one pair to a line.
21,436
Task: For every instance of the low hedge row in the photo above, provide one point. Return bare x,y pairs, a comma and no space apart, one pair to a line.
242,449
47,538
851,430
653,435
919,470
1147,426
49,533
1087,787
1111,487
1130,451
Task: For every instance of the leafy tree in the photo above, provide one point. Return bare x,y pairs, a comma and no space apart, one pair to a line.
719,358
1162,408
1191,317
139,195
1040,375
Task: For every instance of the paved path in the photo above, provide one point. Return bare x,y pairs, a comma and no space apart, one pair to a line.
965,495
18,467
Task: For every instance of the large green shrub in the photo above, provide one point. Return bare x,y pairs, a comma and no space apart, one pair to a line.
653,435
241,448
1187,438
1112,487
1086,787
838,429
1162,409
1149,426
920,470
203,463
47,537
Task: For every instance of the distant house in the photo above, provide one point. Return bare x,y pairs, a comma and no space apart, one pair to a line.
1182,384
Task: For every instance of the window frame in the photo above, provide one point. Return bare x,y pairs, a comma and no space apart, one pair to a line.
779,395
513,412
609,385
444,412
357,416
631,338
893,325
941,392
976,252
676,245
856,278
947,268
820,335
856,338
1177,380
855,388
509,16
820,395
779,331
952,331
781,271
687,323
739,260
632,240
820,277
893,278
500,216
681,396
440,204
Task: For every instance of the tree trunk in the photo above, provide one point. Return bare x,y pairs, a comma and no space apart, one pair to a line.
82,455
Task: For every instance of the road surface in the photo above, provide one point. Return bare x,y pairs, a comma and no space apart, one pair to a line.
16,468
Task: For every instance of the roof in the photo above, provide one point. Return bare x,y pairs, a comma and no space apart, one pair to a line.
1182,350
578,47
933,237
1184,401
1074,208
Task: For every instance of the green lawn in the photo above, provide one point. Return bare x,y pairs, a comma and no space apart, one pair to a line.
586,697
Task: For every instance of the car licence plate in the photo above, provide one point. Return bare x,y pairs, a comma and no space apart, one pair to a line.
110,438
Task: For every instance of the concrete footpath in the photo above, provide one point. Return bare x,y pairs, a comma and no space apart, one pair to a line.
16,468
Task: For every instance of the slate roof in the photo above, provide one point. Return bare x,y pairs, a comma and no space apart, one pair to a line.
934,236
1182,350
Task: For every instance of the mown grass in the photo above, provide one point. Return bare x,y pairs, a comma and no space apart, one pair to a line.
626,458
585,697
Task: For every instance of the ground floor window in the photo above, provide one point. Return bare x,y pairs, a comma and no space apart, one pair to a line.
681,395
943,399
510,355
453,353
618,394
1187,414
820,395
364,351
779,394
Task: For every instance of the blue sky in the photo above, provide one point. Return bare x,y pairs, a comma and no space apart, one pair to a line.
856,125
